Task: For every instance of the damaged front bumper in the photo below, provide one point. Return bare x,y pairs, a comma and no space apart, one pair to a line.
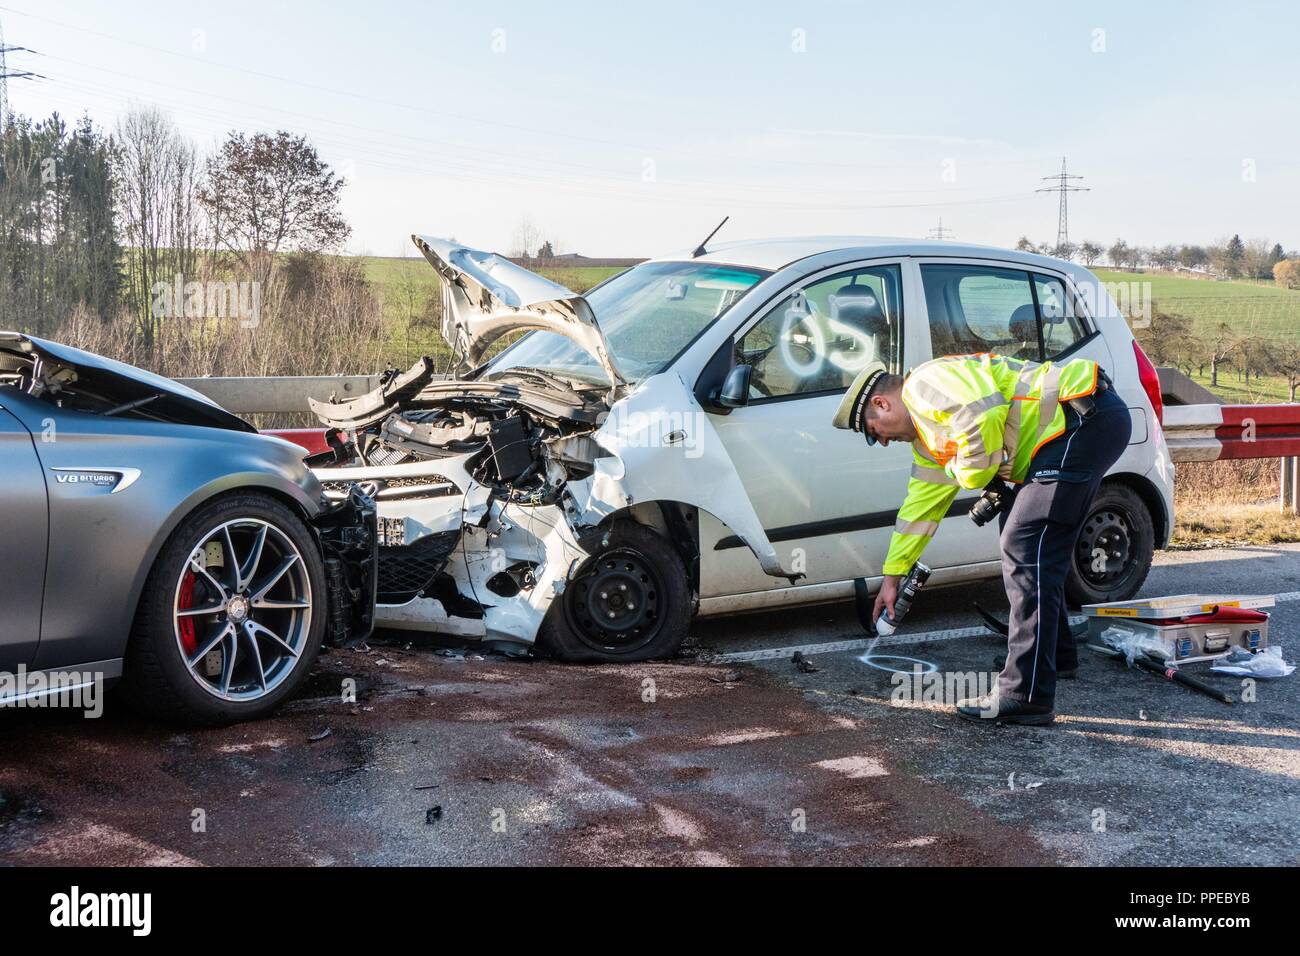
348,533
455,558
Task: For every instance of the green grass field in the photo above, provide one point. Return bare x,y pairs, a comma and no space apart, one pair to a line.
409,291
402,276
1265,310
1182,287
1254,307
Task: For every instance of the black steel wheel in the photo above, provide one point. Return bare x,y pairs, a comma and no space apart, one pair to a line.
1116,544
630,601
613,605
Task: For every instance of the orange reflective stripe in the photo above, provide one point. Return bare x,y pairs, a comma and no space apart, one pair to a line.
1045,440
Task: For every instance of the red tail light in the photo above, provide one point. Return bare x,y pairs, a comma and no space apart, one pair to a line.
1150,382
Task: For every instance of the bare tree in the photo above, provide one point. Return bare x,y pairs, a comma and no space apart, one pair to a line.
1168,339
1286,360
1089,252
1259,256
1222,343
1118,253
1165,257
1193,257
157,173
270,193
527,239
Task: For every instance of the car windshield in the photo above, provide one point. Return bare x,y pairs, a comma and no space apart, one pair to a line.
648,315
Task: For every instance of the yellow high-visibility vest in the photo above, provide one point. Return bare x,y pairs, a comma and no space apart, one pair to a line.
976,416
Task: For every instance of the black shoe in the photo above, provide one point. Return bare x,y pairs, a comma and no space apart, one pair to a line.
1070,672
999,710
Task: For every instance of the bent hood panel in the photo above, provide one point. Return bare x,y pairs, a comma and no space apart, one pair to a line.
485,295
57,366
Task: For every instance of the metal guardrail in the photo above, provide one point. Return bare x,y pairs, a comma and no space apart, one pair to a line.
284,393
1232,432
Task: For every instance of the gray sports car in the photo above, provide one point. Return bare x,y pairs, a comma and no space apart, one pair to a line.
152,539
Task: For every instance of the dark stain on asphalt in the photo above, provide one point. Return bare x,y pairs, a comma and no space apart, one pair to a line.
672,763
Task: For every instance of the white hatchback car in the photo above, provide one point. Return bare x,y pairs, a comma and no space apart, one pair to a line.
662,446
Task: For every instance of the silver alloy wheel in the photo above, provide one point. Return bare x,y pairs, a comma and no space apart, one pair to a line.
250,604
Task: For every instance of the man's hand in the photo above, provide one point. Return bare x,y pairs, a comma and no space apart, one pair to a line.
887,596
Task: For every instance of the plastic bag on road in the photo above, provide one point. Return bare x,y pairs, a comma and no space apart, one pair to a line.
1133,643
1267,663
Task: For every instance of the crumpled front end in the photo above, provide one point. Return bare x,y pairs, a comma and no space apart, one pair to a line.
493,494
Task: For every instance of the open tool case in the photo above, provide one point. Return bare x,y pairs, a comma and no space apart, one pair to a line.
1189,627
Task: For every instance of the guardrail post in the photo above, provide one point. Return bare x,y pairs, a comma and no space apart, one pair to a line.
1286,499
1295,486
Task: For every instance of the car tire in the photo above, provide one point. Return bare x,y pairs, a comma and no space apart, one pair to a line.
630,601
157,678
1116,544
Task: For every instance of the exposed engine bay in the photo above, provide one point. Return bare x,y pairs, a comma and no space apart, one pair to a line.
493,495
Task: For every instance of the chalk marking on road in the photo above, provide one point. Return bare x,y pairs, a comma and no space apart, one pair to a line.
861,643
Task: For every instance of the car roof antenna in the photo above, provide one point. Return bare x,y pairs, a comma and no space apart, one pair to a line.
700,250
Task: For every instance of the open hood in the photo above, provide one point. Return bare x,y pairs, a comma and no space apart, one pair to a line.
485,295
45,368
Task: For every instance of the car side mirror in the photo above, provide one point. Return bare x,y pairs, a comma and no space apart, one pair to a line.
735,390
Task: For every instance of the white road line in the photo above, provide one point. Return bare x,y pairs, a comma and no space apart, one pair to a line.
858,644
861,643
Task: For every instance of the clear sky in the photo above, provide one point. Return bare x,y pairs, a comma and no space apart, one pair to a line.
632,128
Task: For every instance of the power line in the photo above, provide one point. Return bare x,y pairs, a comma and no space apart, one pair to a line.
6,75
1063,187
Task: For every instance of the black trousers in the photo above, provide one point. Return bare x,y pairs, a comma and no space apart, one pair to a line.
1039,534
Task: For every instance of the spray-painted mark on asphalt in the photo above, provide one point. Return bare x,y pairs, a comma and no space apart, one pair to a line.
861,643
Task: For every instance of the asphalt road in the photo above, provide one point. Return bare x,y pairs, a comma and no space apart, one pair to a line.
451,757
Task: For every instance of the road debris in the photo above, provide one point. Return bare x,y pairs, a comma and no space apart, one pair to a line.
803,664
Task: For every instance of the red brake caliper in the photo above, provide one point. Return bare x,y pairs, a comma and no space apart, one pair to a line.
186,624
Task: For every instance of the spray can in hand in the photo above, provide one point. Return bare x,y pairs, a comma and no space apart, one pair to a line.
907,591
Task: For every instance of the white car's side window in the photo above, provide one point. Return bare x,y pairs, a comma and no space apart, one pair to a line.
817,337
1062,323
978,308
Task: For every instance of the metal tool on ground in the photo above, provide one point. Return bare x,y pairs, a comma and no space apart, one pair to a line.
1163,670
991,621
